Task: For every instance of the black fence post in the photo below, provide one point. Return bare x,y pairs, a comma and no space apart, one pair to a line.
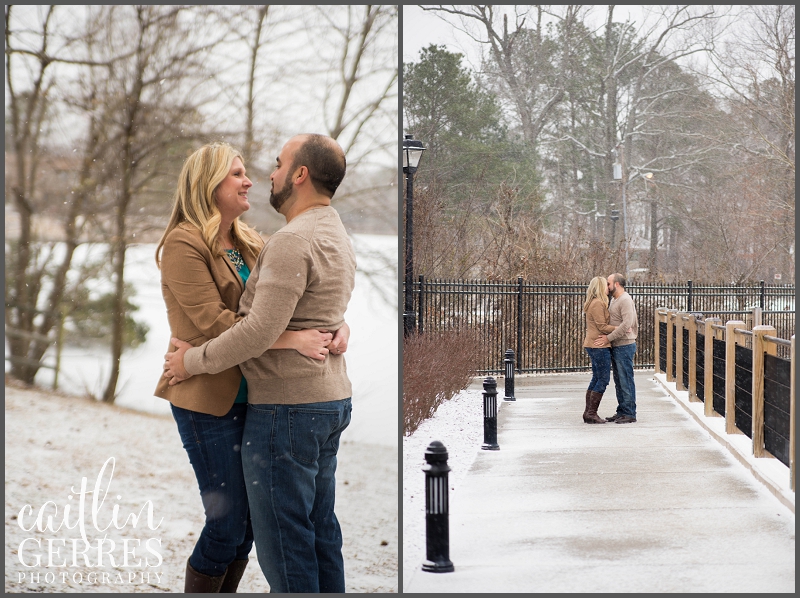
509,378
762,295
490,415
421,305
519,317
437,510
689,296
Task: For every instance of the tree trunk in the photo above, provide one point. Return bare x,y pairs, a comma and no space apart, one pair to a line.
118,311
120,241
118,249
26,113
653,237
249,136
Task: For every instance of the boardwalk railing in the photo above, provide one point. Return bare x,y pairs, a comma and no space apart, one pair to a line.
544,323
744,373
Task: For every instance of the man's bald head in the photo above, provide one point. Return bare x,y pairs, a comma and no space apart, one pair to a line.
325,161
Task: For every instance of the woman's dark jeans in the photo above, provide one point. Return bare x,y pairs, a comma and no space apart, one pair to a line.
601,368
214,445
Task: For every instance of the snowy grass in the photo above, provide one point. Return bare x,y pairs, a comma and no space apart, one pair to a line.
458,424
55,440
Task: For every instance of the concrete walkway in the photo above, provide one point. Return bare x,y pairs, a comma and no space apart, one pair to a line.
653,506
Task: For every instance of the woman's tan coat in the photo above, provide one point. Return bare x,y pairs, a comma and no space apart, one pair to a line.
202,294
597,323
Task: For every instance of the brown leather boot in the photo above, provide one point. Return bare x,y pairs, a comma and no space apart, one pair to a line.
233,575
591,416
588,404
198,583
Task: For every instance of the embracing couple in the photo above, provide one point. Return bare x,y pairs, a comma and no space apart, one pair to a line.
263,446
610,341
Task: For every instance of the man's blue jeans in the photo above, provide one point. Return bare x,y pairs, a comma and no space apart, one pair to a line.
601,368
214,448
622,369
289,461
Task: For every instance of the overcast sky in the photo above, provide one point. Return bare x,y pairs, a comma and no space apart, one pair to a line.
422,28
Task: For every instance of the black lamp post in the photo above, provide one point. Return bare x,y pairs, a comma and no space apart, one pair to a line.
412,152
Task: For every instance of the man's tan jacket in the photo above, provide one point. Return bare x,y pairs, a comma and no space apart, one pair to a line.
303,278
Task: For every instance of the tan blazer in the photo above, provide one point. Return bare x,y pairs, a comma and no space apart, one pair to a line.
597,323
202,294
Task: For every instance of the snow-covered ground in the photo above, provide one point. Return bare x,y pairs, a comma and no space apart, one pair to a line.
372,356
458,424
54,442
770,472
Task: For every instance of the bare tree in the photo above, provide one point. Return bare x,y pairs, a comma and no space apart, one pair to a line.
149,117
360,106
644,103
520,57
249,132
37,283
753,76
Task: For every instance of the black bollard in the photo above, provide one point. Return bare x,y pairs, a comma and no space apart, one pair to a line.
437,510
509,363
490,415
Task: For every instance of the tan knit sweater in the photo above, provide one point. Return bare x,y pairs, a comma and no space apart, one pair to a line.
303,279
622,314
596,323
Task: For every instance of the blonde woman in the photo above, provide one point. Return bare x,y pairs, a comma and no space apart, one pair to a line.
596,309
205,257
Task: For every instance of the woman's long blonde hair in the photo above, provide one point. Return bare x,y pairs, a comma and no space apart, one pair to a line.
598,287
195,200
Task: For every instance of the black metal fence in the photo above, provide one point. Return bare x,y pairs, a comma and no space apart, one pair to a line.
544,323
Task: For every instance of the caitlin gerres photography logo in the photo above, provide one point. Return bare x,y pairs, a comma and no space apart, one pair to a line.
87,539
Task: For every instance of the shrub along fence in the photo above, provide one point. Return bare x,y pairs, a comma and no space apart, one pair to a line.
744,374
544,323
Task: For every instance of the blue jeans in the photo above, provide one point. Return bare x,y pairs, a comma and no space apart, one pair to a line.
214,447
622,368
601,368
289,461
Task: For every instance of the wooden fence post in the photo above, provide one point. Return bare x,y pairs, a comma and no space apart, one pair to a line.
730,376
670,335
659,313
708,366
679,350
757,316
691,326
759,348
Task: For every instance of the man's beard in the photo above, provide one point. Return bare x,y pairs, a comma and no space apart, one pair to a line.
278,198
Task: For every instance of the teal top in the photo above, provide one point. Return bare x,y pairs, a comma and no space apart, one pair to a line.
244,274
